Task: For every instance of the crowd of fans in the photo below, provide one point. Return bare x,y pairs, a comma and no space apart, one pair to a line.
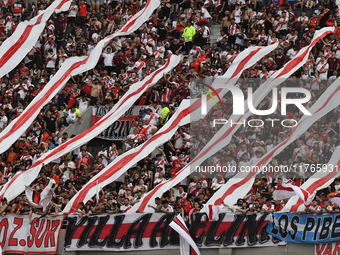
183,27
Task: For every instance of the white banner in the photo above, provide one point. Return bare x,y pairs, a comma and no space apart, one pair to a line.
151,231
18,236
119,129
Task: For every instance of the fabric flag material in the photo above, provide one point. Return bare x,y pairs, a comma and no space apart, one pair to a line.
45,196
13,187
287,190
336,199
317,181
72,66
240,184
187,244
212,211
16,47
224,135
182,116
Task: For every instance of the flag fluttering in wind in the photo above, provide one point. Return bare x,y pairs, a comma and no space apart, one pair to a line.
287,190
317,181
44,198
187,244
212,211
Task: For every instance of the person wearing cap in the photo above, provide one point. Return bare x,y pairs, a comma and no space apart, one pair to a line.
188,35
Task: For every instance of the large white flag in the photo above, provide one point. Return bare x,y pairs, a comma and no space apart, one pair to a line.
288,190
16,47
45,196
187,244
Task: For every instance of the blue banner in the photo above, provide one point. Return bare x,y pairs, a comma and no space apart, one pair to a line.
304,228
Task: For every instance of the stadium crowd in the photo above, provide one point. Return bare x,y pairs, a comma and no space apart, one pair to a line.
183,27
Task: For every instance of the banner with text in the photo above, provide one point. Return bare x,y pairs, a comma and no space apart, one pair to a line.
120,128
305,228
146,231
327,249
18,236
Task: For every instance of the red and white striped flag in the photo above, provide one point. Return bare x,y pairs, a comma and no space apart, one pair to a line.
224,135
317,181
241,183
287,190
72,66
183,115
187,244
212,211
16,47
45,196
15,186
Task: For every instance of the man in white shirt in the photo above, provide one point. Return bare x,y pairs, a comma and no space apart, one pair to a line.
284,23
181,192
103,153
303,20
72,15
268,207
108,57
237,14
323,69
51,59
152,117
166,208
